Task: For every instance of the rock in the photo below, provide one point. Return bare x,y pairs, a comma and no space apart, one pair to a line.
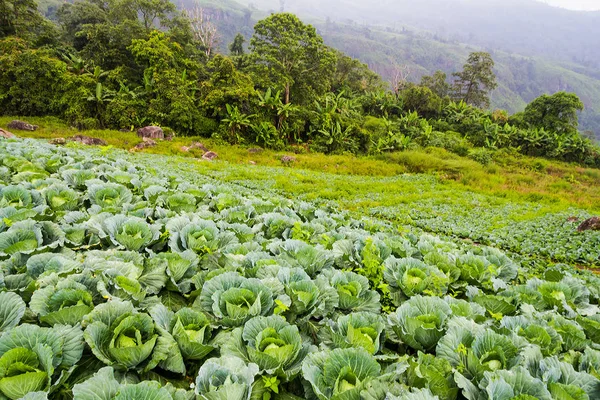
255,150
90,141
200,146
252,162
22,126
592,224
194,145
6,134
153,132
147,142
288,159
58,141
210,155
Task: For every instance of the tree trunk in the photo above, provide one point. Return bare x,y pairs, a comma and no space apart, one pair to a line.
287,93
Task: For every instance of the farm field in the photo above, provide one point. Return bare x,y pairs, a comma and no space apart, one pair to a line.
528,206
134,276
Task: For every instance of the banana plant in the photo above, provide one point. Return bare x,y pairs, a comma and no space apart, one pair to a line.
237,122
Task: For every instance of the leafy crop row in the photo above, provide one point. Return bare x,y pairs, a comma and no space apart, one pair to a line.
127,281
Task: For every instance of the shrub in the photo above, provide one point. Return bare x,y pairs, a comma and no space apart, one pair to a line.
481,155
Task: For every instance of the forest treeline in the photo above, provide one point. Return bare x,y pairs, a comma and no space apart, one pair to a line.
130,63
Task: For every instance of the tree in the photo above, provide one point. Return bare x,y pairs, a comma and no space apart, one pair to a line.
236,48
422,100
437,83
289,56
555,113
354,76
205,32
16,15
21,18
477,79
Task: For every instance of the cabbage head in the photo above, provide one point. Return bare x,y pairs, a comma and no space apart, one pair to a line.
227,378
65,302
409,277
30,356
421,321
132,233
353,291
360,329
340,374
118,335
274,345
233,299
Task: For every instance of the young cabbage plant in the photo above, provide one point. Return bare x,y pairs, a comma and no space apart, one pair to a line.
353,291
272,344
189,328
130,233
434,373
109,196
410,277
64,302
29,236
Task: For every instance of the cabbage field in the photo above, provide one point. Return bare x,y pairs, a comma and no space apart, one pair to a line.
136,277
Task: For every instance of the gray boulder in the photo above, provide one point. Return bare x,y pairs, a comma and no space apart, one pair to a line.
151,132
21,126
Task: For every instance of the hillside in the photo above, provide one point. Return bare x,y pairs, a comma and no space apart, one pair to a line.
521,77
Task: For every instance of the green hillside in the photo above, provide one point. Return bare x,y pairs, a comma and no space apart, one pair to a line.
521,78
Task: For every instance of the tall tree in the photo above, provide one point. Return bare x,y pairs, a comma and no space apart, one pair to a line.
236,48
290,56
556,113
15,15
477,79
437,83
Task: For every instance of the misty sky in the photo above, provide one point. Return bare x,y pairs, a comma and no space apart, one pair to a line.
576,4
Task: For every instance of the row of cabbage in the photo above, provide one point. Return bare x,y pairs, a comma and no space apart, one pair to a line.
518,228
124,281
525,228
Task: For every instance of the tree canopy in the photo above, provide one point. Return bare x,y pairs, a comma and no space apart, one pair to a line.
291,57
477,79
557,112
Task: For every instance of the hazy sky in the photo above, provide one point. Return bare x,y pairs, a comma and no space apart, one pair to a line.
576,4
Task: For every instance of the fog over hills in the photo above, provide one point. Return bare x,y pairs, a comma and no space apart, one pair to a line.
527,27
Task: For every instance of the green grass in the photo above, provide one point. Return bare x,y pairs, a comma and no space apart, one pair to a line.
511,177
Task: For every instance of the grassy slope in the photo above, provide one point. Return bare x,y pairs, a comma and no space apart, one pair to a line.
516,178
